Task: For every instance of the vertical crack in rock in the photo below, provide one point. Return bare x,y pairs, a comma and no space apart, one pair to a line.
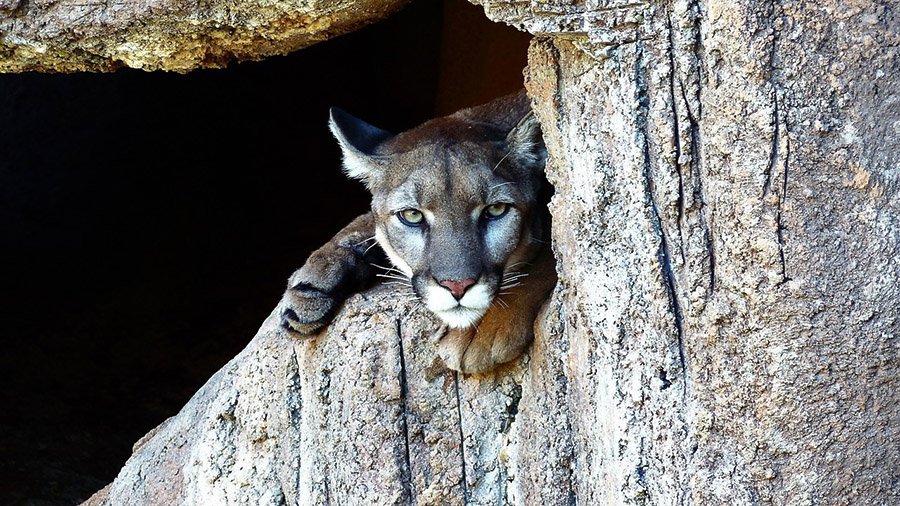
512,410
776,137
462,438
561,332
779,230
676,134
778,113
697,27
696,159
694,220
282,497
507,420
295,413
641,472
698,193
663,254
404,414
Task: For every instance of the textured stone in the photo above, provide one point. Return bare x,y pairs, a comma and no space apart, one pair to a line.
178,35
728,190
727,231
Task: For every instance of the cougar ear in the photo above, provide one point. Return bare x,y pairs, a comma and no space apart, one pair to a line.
358,141
526,144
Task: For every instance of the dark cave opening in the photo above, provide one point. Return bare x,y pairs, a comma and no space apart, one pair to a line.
150,221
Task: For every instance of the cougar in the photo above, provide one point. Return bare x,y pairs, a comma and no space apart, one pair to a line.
459,210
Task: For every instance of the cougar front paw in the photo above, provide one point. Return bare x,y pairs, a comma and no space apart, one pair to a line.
482,348
307,310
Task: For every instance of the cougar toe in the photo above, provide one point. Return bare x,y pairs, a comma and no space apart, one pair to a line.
307,311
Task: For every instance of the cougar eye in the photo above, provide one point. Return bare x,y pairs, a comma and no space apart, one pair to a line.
411,217
494,211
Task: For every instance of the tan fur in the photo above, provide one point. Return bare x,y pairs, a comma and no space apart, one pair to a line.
450,170
504,332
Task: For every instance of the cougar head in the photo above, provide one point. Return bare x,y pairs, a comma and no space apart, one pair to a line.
456,200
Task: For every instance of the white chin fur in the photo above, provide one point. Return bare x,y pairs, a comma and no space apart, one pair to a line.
458,314
461,317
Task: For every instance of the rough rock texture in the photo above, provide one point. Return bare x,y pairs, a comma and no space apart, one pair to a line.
727,228
179,35
727,185
362,414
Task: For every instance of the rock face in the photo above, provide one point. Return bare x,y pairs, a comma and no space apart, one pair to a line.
727,223
75,35
727,230
361,414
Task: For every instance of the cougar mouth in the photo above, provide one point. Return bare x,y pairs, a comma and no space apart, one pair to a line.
462,313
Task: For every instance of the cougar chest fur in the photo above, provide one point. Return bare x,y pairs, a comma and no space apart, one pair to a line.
459,209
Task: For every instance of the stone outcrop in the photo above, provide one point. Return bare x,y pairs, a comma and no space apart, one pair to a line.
362,414
177,35
727,231
727,227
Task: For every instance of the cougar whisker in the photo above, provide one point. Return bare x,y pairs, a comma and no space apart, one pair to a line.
509,268
501,160
369,248
397,283
365,241
389,269
391,276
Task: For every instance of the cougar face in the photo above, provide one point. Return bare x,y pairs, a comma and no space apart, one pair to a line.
455,205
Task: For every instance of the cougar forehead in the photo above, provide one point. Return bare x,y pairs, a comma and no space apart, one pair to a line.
452,177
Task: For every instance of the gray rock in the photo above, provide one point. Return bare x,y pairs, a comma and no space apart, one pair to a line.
727,230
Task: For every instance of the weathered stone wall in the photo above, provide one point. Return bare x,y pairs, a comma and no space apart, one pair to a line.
727,232
362,414
727,229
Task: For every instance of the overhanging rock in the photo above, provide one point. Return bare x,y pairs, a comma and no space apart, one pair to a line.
177,35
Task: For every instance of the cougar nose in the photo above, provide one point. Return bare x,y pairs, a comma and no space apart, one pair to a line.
457,288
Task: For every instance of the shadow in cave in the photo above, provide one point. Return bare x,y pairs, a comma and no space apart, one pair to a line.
149,222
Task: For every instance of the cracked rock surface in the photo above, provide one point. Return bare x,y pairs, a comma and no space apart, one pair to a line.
361,414
727,230
177,35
